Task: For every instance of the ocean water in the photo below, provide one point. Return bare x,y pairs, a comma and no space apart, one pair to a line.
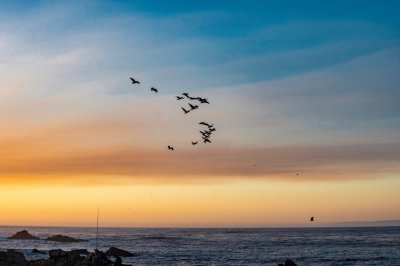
306,246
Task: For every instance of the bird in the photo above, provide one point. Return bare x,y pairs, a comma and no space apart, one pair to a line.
203,100
185,111
205,133
211,129
194,142
179,98
186,94
170,148
193,106
134,81
312,219
205,124
207,140
154,89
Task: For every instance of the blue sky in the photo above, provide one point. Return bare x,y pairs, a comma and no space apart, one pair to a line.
300,74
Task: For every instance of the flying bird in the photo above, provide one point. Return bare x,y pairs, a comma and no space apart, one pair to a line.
179,98
185,111
205,133
194,142
206,140
186,94
134,81
312,219
170,148
154,89
193,106
203,100
205,124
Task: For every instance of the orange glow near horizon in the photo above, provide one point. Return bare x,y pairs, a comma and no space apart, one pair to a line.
234,203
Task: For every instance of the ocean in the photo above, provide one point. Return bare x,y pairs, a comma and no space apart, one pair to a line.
305,246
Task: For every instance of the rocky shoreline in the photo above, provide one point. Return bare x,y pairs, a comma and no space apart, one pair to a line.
58,257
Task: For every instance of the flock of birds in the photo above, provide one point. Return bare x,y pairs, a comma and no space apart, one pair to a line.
208,129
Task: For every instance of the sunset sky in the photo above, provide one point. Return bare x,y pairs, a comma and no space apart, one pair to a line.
305,97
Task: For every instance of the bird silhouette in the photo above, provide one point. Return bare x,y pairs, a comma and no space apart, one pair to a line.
186,94
194,142
179,98
205,133
154,89
206,140
211,129
185,111
170,148
312,219
134,81
205,124
203,100
193,106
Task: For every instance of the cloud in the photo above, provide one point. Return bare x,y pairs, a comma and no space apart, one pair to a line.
69,110
151,165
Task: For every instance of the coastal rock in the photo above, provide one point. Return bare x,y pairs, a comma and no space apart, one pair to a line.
23,235
3,258
15,258
57,253
116,252
36,251
61,238
58,257
41,262
100,259
288,263
80,251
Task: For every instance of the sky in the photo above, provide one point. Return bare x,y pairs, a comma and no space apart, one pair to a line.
304,97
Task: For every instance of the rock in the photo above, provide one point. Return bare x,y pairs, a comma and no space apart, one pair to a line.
57,253
61,238
58,257
3,256
100,259
290,263
41,262
36,251
16,258
118,261
113,251
80,251
23,235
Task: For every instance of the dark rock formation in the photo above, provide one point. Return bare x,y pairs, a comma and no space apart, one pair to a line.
80,251
288,263
3,258
15,258
41,262
23,235
61,238
58,257
36,251
116,252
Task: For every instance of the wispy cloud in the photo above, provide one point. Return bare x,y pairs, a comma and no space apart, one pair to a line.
319,96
